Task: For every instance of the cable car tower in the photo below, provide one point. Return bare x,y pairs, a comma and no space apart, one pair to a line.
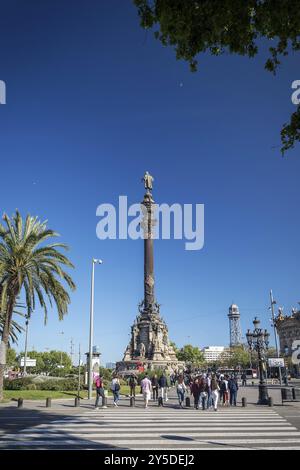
235,331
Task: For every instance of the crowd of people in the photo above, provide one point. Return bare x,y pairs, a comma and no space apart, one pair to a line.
208,390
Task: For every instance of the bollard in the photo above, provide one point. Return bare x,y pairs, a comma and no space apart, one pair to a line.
77,401
20,402
104,401
244,402
48,402
270,401
187,402
160,401
294,393
132,401
252,383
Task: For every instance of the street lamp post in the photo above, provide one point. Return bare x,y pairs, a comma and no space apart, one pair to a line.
79,361
258,340
61,333
273,302
26,342
90,372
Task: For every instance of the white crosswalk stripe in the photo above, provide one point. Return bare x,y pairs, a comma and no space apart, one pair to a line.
161,428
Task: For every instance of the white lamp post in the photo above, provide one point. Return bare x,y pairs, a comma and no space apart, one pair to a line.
90,372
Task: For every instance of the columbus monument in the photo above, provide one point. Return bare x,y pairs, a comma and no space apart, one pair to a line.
149,346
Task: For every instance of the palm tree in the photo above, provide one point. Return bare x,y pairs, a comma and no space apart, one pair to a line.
30,266
15,330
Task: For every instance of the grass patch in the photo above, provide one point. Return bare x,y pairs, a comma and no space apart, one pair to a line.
43,394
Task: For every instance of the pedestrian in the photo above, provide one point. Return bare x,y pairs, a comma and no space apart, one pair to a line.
154,383
132,384
209,396
244,379
215,392
146,389
163,385
233,390
181,389
99,392
224,391
115,388
203,391
195,390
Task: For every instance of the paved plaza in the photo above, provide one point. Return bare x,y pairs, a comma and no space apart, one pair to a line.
65,427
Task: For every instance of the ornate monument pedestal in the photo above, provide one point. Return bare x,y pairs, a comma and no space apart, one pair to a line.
149,347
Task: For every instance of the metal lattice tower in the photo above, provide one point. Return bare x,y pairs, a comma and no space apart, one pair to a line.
235,331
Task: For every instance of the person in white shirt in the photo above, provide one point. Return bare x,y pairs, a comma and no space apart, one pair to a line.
146,389
215,392
115,388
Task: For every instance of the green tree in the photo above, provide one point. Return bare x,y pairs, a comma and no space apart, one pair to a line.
11,357
232,26
174,346
239,357
191,355
31,266
15,329
50,362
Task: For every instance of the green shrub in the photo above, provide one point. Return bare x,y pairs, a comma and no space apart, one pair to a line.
17,384
26,383
30,387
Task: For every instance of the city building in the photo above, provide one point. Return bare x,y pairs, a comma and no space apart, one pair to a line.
288,329
215,353
110,365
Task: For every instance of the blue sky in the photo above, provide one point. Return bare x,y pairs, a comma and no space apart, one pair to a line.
92,102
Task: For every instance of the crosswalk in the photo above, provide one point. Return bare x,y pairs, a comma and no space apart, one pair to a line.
160,428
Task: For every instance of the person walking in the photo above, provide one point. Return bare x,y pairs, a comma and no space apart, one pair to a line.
203,392
132,382
146,389
224,391
209,395
154,383
215,392
163,385
195,390
244,379
99,392
115,388
181,389
233,390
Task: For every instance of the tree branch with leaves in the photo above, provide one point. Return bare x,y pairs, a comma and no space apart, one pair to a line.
231,26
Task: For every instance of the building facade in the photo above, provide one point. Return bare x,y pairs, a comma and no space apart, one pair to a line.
288,329
215,353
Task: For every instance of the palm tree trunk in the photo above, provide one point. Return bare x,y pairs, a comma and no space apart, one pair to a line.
5,339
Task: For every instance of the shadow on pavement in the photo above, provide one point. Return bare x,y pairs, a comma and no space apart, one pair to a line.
13,421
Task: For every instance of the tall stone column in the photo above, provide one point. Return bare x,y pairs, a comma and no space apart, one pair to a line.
148,223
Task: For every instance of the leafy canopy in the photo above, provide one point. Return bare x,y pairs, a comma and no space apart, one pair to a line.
233,26
191,355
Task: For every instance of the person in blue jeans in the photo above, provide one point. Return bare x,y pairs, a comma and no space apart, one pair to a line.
233,390
115,388
203,392
181,389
